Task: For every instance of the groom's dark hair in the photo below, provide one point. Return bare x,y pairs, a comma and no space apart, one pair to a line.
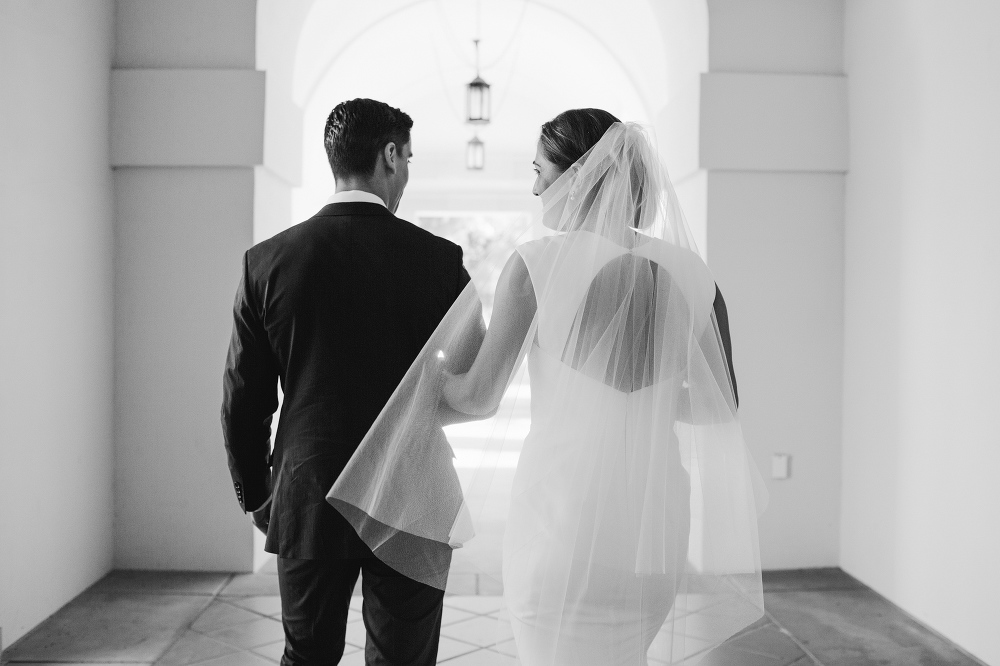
356,132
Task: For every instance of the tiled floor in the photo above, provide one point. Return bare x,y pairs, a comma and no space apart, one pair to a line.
818,616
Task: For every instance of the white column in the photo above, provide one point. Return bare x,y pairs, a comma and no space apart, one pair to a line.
187,111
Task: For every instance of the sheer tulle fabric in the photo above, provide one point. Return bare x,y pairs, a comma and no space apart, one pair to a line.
630,534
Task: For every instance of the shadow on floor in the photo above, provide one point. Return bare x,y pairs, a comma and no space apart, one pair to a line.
814,616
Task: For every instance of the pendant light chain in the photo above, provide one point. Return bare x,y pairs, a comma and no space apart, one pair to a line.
479,28
455,42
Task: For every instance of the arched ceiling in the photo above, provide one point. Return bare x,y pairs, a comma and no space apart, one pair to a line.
440,32
541,57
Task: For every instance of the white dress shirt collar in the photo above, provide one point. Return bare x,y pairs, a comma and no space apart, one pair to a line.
351,196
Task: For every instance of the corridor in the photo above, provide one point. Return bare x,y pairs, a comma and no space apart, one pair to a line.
836,163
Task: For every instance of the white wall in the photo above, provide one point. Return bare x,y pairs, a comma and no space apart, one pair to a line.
180,234
280,24
773,135
776,251
187,132
56,305
921,501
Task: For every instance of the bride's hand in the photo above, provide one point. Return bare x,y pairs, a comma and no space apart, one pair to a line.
439,367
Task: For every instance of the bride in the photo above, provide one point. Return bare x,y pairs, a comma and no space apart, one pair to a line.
630,535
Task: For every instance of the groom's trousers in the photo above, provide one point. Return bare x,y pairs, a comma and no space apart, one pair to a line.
401,616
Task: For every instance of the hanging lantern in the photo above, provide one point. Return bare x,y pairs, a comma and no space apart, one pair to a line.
475,155
477,97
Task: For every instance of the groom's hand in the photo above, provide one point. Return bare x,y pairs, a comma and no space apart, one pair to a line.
262,516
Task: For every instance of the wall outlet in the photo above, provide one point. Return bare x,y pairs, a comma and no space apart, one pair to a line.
781,466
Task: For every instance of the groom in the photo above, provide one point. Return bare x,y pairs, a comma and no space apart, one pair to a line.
337,307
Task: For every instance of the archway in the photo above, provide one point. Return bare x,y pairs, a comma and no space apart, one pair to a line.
539,61
641,61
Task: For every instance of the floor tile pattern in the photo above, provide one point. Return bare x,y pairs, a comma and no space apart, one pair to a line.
814,617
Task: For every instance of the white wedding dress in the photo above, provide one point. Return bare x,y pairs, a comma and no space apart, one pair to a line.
630,535
587,464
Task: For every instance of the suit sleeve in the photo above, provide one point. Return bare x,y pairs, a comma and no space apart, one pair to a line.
474,327
249,399
722,319
463,275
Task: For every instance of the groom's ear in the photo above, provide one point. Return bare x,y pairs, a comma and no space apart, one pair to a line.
390,155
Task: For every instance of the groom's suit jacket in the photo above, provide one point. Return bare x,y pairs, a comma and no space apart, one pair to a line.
337,307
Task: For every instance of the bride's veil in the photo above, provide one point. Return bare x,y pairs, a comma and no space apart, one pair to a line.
633,500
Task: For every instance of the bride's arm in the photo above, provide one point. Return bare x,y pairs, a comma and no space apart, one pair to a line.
460,361
478,392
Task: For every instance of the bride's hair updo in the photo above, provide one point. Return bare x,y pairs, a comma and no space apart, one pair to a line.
572,133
